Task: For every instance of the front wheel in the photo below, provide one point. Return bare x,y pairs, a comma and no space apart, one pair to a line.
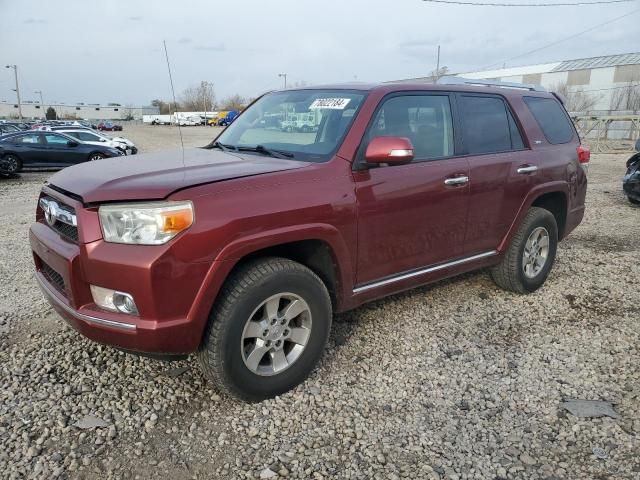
267,330
96,156
528,260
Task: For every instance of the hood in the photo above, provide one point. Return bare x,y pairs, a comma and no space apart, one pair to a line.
154,176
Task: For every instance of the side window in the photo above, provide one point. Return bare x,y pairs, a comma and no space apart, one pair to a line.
486,126
87,137
552,119
423,119
53,139
75,135
30,138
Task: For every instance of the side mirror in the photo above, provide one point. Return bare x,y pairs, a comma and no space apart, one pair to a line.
71,143
391,150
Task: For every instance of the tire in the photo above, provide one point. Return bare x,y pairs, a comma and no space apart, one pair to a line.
11,164
510,273
633,201
225,352
96,156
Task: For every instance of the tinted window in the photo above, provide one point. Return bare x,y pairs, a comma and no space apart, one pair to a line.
486,125
552,119
424,119
86,136
30,138
516,138
56,139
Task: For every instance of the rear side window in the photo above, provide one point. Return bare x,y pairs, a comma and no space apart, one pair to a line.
551,118
488,125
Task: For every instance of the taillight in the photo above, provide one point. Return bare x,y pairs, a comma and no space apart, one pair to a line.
584,155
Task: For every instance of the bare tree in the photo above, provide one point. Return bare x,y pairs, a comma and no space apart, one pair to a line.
436,75
627,97
234,102
163,107
199,97
576,100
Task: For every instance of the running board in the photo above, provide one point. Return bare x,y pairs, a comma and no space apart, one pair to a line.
415,273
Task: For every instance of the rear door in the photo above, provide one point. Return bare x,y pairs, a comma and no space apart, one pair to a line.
501,168
412,216
30,149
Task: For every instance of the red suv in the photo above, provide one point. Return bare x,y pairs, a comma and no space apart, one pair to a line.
242,251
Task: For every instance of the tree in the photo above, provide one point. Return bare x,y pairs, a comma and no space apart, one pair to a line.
163,107
128,113
436,75
576,100
199,97
51,114
627,97
233,102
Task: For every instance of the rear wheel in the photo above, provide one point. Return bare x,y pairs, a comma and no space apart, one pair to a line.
96,156
528,260
267,330
11,164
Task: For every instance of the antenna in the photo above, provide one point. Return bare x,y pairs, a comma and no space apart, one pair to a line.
173,92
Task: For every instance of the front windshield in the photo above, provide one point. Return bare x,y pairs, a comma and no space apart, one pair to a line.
306,125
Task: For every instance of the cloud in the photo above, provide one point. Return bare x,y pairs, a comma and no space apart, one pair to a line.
184,40
211,48
135,18
35,20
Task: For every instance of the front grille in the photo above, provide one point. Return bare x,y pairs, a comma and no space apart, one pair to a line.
66,230
53,277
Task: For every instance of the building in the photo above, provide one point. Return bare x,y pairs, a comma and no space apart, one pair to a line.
602,79
32,110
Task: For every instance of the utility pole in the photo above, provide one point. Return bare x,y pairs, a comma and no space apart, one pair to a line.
437,76
15,72
204,100
285,78
41,102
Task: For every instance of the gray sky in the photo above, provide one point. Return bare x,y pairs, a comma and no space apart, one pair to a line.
101,51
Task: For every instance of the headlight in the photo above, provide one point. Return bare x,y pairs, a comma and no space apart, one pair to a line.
152,223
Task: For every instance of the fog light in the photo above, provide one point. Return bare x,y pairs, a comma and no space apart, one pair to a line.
113,300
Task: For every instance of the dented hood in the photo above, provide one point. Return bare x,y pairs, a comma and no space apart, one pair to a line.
154,176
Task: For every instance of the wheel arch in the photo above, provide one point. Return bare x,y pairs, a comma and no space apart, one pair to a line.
552,196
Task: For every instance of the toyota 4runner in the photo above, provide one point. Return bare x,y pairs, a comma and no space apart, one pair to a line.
241,251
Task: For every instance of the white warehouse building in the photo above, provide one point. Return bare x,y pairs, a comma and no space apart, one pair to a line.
32,110
600,77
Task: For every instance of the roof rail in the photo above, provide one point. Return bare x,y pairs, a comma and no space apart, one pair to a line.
452,80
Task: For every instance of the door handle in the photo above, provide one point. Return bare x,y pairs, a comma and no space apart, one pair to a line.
461,180
527,169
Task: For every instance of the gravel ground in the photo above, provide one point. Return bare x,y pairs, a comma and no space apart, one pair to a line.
453,381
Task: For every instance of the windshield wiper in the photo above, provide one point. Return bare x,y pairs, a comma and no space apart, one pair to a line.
223,147
266,151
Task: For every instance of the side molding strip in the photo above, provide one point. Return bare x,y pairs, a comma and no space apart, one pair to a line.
422,271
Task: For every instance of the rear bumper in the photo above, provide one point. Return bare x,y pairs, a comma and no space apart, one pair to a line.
65,271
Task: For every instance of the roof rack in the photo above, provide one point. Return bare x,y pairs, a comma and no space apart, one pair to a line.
489,83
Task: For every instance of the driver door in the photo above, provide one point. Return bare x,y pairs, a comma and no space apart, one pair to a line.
412,216
59,152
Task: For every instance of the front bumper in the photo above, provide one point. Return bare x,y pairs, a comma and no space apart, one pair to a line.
164,288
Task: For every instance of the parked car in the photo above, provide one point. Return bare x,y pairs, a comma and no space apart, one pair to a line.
241,252
35,149
230,117
18,125
96,138
8,128
631,180
109,126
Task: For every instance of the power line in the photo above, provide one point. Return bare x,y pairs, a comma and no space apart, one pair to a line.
562,39
482,4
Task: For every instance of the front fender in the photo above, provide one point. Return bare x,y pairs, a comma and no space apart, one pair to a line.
232,253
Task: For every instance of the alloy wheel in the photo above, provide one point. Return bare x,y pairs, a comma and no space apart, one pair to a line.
276,334
536,252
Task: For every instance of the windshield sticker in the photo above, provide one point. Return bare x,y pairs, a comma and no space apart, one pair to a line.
330,103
